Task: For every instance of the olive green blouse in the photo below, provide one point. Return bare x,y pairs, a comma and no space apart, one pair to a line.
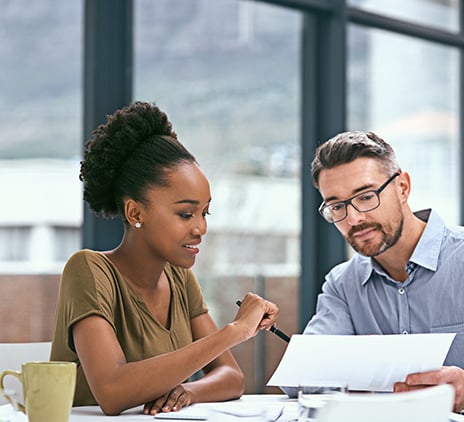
92,285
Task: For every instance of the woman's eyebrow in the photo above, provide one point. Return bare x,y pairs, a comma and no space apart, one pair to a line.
187,201
190,201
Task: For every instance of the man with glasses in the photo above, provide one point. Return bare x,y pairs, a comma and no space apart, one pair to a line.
408,273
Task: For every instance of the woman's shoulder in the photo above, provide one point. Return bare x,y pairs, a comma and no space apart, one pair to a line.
78,258
91,270
88,260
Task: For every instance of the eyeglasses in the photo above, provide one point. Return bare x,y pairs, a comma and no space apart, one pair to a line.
362,202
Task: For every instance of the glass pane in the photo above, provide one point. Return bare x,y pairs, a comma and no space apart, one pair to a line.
40,98
228,77
40,143
443,14
407,90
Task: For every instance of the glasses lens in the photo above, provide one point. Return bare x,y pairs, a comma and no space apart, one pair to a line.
334,212
366,201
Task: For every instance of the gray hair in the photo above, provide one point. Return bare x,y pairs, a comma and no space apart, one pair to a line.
347,147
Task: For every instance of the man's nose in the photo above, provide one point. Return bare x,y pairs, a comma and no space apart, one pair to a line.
353,216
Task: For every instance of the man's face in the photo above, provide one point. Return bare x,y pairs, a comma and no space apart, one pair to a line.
369,233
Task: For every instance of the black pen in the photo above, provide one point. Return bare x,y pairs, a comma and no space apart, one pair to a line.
274,329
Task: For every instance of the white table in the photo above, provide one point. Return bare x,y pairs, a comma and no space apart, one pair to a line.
94,413
290,410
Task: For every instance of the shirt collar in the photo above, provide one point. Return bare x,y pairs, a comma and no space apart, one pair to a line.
427,249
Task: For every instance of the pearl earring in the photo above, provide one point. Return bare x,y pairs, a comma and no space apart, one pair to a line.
138,225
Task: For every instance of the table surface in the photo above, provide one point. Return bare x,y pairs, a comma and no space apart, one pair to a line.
94,413
290,409
87,413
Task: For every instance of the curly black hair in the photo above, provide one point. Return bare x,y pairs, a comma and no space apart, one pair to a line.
136,148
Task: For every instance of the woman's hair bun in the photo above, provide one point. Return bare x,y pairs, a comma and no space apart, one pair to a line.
139,132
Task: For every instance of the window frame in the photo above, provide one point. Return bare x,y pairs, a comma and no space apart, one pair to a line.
108,86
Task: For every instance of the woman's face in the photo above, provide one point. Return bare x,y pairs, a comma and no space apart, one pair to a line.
174,220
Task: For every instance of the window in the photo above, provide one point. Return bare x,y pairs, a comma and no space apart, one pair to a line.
228,74
40,144
441,14
228,77
407,90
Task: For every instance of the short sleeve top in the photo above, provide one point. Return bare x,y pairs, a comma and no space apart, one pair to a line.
92,285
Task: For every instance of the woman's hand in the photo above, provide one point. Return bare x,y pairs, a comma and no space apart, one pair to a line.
173,401
446,375
254,314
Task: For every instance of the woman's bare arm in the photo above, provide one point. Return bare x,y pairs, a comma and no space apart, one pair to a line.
222,380
118,385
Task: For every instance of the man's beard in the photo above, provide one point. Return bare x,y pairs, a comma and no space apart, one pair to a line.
390,237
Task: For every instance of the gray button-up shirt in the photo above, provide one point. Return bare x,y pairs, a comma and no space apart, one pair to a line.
358,297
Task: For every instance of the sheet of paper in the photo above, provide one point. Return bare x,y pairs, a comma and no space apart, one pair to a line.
456,417
8,414
236,408
372,363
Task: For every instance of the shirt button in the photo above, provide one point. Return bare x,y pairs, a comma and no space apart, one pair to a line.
401,291
405,332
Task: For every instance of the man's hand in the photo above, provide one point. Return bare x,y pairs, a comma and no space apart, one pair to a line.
446,375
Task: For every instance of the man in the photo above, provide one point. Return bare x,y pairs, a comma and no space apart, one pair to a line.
407,275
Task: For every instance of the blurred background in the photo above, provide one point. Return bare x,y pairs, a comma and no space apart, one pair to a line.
252,87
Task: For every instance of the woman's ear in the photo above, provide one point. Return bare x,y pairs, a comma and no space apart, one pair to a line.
132,212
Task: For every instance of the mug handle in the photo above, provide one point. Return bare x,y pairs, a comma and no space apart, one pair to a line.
15,374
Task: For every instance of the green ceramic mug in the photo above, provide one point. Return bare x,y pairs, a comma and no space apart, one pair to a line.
48,390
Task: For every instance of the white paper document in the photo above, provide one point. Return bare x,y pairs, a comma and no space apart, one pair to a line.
372,363
230,410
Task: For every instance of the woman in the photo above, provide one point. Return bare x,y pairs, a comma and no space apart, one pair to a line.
134,318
